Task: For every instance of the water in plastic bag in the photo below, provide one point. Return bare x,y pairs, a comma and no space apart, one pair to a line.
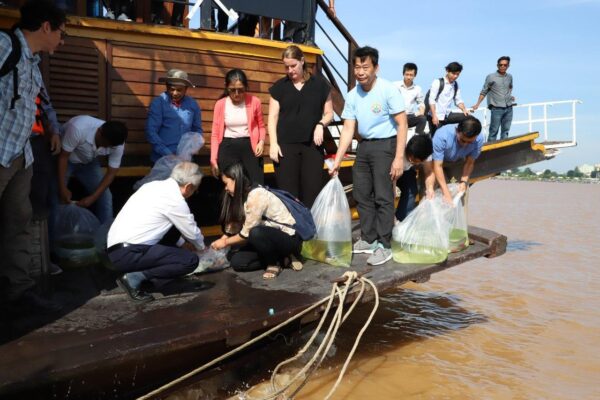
331,212
190,144
75,230
211,260
422,238
459,236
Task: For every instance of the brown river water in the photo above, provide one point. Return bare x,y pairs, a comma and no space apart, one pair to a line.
525,325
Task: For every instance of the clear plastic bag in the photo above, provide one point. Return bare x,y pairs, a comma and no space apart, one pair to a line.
190,144
333,242
75,230
212,260
459,235
422,238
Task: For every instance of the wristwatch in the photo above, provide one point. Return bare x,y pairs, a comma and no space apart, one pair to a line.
320,123
465,181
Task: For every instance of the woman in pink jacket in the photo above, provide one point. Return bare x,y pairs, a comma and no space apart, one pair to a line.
238,130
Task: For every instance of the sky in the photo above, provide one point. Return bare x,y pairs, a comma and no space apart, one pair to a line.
554,47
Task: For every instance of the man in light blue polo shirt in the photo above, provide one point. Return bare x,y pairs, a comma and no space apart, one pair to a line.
377,107
454,142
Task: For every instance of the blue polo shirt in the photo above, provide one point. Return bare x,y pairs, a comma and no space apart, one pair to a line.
447,148
374,110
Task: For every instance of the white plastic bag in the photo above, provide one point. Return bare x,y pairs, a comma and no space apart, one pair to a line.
212,260
459,236
422,238
190,144
75,230
333,242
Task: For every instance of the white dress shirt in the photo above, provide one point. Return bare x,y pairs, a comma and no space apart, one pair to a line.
79,139
151,212
443,106
413,96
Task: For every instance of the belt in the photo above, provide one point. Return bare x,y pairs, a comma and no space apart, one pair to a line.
118,246
375,139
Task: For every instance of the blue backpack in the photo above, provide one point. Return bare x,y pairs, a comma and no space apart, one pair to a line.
305,225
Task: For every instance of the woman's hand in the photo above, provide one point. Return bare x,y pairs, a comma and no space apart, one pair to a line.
259,148
318,134
275,152
215,169
219,243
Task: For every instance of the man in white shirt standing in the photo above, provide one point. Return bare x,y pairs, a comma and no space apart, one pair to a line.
444,91
133,238
413,98
84,139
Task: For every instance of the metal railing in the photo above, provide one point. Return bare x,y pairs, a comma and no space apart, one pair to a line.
545,121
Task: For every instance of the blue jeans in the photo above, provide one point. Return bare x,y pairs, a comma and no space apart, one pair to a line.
501,118
90,175
408,193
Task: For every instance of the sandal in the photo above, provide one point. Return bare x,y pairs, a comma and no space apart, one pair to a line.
272,272
296,264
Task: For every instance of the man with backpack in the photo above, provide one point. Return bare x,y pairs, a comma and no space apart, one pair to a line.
40,29
438,100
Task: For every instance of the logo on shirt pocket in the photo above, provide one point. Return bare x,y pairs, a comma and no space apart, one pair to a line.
376,108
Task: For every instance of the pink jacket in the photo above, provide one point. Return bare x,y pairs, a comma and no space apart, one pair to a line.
256,125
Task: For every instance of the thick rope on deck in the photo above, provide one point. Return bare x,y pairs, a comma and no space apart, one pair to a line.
312,365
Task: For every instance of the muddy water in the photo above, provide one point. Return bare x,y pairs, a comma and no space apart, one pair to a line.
522,326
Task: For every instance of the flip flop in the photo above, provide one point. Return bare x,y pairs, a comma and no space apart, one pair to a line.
272,272
296,264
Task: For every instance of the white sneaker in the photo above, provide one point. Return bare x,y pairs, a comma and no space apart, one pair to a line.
109,14
123,17
362,246
381,255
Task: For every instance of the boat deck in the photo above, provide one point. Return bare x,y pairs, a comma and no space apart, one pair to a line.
105,346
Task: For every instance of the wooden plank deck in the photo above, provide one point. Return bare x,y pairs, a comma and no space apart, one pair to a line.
106,346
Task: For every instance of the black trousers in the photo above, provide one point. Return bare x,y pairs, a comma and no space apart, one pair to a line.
418,122
452,118
300,170
374,190
43,181
159,263
238,150
265,246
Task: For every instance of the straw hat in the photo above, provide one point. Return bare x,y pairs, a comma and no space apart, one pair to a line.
176,77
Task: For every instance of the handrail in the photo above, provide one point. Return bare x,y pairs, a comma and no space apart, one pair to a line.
544,120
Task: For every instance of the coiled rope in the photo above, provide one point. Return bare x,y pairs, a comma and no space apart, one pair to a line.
350,279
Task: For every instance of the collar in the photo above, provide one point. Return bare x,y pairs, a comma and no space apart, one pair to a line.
407,87
25,50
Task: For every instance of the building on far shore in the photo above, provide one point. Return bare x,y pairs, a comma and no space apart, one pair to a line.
587,169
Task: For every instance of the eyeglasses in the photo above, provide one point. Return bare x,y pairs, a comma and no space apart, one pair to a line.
236,90
503,65
63,34
465,140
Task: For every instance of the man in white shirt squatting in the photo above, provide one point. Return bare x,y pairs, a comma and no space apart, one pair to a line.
133,239
84,139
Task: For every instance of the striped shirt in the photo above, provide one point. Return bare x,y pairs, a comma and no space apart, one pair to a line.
16,124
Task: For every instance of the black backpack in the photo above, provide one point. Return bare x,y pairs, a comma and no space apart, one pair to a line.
442,83
10,64
305,225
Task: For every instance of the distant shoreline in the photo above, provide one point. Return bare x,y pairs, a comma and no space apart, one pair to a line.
555,180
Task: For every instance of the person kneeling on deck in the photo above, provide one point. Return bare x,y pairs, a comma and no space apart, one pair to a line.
84,139
265,235
455,142
133,239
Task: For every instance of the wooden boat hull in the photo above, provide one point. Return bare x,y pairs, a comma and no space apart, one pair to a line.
106,347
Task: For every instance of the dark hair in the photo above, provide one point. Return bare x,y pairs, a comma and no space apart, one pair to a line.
363,52
232,76
36,12
470,126
420,147
294,52
454,66
115,132
410,67
232,211
507,58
